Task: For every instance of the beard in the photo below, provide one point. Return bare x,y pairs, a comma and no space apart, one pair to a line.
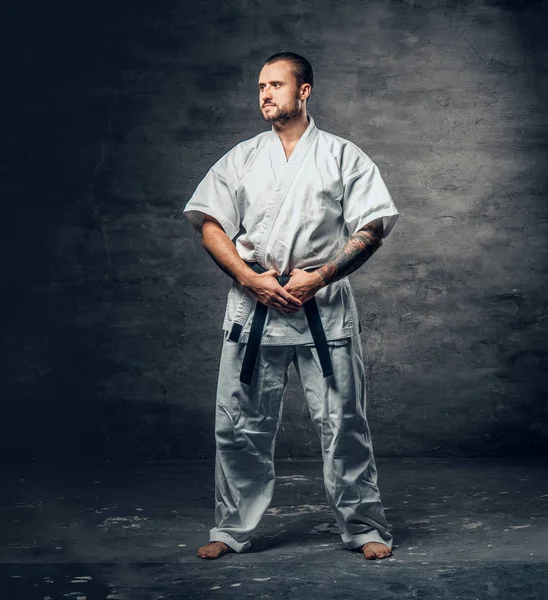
283,113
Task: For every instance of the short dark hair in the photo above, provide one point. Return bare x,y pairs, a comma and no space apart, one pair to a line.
302,69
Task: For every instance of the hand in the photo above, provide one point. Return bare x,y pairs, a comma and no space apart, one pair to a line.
265,288
303,284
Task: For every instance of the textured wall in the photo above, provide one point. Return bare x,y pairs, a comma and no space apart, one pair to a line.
112,309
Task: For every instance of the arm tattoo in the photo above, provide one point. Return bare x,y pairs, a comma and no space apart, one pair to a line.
358,249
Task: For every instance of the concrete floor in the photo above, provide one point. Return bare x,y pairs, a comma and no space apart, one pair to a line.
470,529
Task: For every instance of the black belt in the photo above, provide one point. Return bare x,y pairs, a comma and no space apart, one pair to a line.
256,332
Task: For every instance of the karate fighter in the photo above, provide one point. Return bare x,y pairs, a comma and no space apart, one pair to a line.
288,215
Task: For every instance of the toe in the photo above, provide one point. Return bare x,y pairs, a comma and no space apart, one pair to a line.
375,550
212,550
203,552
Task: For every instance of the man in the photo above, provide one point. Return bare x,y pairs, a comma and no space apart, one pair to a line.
288,215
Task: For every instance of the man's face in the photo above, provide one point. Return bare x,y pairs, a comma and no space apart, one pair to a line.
279,97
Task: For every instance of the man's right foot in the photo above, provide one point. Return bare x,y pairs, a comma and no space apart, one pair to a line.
213,550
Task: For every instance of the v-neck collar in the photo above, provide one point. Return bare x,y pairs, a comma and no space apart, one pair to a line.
278,154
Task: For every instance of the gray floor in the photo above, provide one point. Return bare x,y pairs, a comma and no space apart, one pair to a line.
469,529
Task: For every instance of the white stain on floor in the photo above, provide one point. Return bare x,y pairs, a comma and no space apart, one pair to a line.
295,511
418,521
290,480
473,525
124,522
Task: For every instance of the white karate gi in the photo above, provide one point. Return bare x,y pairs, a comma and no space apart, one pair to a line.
286,214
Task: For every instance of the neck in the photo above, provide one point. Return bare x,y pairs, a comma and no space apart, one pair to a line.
292,130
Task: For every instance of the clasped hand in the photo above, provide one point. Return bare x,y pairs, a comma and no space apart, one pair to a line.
301,287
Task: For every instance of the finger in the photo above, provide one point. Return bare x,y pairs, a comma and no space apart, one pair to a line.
272,298
279,301
287,311
279,294
287,292
289,297
273,302
280,304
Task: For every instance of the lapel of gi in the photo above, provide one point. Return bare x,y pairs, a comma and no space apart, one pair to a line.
280,193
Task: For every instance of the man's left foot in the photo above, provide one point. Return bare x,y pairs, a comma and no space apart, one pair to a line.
373,550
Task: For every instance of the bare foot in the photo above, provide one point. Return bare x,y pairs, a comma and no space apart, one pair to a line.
373,550
213,550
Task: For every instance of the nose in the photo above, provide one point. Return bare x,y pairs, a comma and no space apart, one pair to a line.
266,95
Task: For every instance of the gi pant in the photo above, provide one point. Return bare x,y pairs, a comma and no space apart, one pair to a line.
246,423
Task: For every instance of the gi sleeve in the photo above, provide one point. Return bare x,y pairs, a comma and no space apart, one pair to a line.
215,196
366,198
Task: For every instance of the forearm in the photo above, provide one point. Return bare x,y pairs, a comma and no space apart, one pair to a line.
221,249
359,248
263,287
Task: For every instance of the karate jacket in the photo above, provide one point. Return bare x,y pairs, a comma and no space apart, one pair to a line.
295,213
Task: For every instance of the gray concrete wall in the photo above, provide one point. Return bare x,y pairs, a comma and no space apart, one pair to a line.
112,309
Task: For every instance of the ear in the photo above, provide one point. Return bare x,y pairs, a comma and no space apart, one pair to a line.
305,91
